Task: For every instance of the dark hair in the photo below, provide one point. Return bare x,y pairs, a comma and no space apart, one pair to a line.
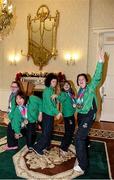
49,78
16,82
84,75
23,96
71,90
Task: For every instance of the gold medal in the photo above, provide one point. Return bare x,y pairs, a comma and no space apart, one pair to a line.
79,106
74,105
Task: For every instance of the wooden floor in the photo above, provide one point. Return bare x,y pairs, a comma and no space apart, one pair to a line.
109,142
104,125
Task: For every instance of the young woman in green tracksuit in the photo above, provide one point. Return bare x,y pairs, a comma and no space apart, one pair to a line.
49,111
15,88
67,100
86,106
24,115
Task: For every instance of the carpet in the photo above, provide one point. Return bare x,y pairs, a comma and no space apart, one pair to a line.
107,134
19,164
59,128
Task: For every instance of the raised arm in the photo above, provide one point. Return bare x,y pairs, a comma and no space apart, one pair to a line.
98,72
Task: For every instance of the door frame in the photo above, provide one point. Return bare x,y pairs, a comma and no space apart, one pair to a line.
100,32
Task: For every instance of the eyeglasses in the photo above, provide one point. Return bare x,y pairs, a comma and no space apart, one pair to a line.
14,87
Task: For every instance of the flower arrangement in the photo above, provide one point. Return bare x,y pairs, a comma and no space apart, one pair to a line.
19,75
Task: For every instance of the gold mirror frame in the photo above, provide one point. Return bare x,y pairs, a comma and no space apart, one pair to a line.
42,35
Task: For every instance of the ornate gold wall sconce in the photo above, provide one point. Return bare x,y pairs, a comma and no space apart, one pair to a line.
42,35
71,59
14,58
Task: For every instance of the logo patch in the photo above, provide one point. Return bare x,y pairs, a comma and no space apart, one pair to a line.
85,125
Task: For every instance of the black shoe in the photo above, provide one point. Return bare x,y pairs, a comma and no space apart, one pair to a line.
39,153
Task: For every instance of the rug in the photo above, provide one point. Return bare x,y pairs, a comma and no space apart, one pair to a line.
52,165
107,134
59,128
23,164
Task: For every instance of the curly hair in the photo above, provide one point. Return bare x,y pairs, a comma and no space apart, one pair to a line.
84,75
49,78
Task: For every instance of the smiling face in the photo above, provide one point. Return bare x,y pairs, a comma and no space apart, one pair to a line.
66,86
82,81
20,101
53,83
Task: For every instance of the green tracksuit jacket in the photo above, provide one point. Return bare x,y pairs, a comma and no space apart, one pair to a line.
34,106
90,92
49,105
67,104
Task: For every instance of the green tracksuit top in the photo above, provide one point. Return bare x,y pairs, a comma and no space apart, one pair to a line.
13,102
90,92
34,106
67,104
49,105
13,106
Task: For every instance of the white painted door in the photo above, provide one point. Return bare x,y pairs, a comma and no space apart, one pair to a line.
107,90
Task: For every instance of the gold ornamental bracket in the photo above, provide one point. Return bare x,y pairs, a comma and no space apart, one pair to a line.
7,18
42,36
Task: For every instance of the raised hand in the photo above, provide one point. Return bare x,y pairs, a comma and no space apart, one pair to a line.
101,55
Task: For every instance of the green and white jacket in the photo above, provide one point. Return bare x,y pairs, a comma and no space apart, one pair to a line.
67,104
34,106
49,105
90,92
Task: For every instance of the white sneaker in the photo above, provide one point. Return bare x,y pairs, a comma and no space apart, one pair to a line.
76,163
78,169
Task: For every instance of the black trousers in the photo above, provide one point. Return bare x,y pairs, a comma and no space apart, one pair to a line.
29,132
84,124
69,125
47,128
11,141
